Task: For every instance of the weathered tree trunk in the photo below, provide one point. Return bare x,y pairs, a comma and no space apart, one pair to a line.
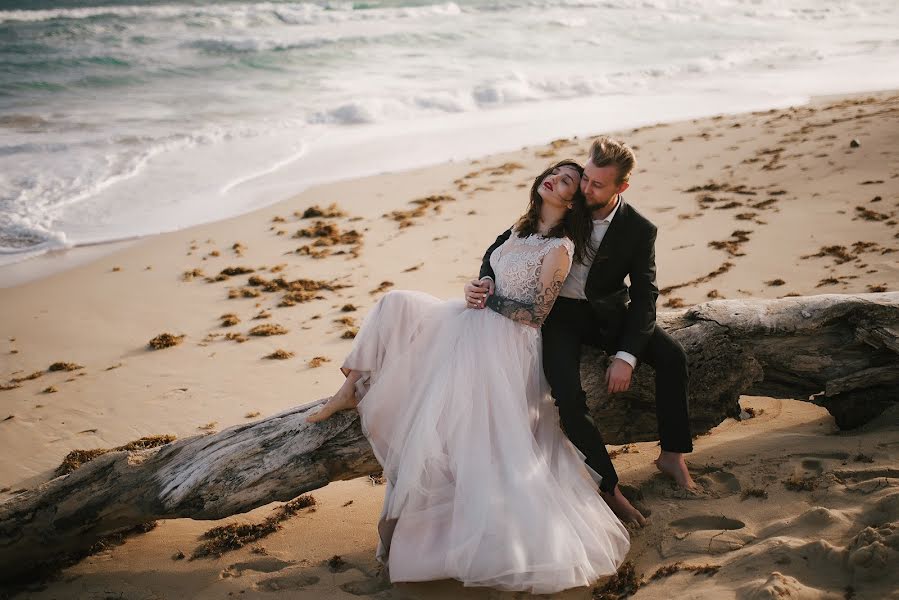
843,348
839,351
202,477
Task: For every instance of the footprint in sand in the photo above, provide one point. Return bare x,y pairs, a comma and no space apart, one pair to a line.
868,481
885,510
873,552
263,565
705,534
837,455
296,581
778,586
713,482
719,483
705,522
813,465
367,587
857,475
816,519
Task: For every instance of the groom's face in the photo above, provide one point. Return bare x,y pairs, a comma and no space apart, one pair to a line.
600,185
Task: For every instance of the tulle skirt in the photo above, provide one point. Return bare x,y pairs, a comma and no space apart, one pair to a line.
482,484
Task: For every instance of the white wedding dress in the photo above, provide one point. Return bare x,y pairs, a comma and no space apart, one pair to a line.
482,484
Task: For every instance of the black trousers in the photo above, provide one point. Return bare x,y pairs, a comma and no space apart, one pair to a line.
572,323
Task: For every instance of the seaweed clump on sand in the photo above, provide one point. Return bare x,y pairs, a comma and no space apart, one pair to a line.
229,320
233,271
732,247
382,287
318,361
797,484
327,235
30,377
243,292
669,570
870,215
405,218
313,252
842,254
620,585
300,290
76,458
164,340
226,538
675,302
117,539
754,493
336,564
64,366
626,449
350,328
268,329
315,211
279,355
192,274
724,268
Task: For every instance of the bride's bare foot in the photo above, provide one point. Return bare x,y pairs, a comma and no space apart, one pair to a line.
344,399
622,507
673,465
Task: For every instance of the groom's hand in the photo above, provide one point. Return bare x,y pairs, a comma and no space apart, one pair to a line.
476,292
618,375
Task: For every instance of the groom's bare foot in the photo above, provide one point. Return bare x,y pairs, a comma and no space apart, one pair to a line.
622,507
673,465
343,400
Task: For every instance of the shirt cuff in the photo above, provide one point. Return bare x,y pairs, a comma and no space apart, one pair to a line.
486,277
627,357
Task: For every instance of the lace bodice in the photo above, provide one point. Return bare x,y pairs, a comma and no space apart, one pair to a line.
516,264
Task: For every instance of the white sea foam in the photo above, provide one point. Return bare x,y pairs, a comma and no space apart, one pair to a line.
127,120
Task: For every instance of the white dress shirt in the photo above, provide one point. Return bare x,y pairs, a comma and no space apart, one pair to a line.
577,276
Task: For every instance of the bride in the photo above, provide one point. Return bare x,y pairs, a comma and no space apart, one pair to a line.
482,484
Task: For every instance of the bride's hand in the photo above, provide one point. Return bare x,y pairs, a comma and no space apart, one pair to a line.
476,292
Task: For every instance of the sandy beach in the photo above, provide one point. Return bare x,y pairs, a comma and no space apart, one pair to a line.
759,205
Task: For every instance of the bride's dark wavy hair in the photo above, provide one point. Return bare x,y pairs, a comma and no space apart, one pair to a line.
577,223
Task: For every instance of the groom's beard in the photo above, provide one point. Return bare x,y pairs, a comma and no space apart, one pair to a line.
597,207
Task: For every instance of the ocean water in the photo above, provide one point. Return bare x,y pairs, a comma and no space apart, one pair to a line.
124,119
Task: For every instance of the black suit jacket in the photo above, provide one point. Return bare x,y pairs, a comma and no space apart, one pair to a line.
628,249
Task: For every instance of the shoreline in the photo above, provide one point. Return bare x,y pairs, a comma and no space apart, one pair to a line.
53,260
764,204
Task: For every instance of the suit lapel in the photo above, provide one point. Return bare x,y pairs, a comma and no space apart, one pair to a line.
606,250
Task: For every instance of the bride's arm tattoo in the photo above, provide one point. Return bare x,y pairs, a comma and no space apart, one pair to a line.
531,314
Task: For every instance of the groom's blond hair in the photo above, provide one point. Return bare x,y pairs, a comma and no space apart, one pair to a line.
607,151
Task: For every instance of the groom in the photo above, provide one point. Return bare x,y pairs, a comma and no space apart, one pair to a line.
596,307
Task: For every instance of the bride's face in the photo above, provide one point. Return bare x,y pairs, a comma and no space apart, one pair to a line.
559,187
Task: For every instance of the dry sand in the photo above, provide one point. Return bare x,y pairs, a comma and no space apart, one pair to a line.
786,208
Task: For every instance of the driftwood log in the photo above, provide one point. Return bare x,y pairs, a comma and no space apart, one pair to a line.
840,350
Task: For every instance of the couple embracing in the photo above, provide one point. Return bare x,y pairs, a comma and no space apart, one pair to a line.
496,475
